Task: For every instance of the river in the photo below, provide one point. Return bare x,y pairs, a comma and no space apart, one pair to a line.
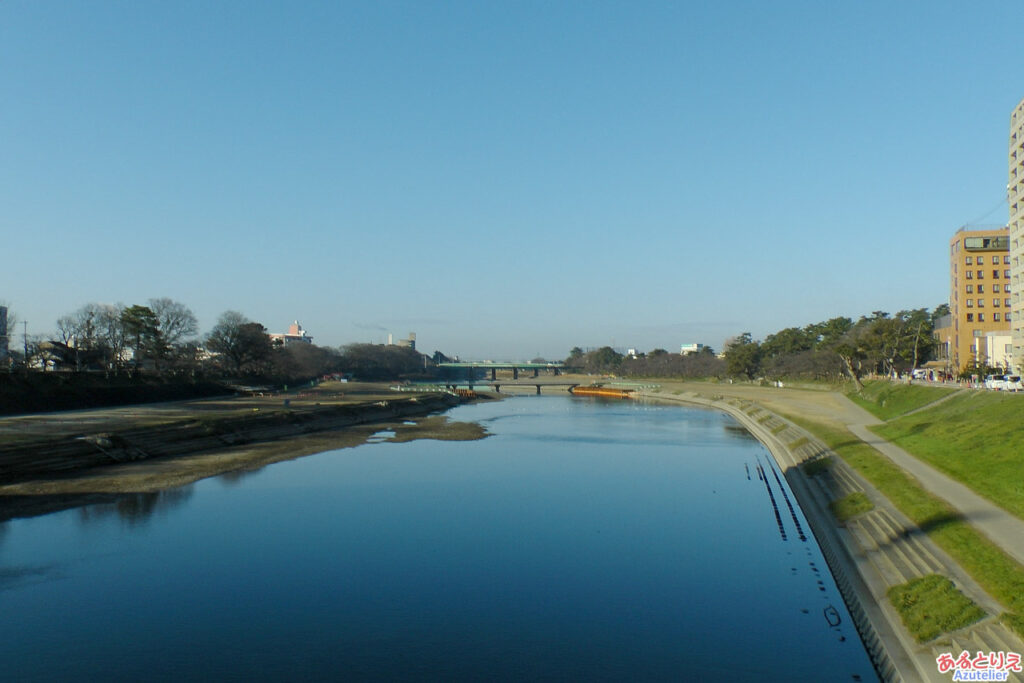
582,540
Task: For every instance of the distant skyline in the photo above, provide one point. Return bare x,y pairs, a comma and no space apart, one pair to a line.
506,180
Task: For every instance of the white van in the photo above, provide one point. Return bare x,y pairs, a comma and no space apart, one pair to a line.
995,382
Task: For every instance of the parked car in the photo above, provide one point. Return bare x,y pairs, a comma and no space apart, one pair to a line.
1013,383
995,382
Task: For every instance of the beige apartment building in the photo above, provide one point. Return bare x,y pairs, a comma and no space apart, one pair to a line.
979,298
1015,198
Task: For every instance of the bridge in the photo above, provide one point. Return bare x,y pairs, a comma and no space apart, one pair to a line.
496,385
514,367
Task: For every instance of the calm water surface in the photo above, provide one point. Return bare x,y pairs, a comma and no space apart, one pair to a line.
583,540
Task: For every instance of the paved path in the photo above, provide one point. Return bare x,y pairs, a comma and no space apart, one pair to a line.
1004,529
1001,527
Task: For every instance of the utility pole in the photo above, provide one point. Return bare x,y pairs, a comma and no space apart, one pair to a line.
24,338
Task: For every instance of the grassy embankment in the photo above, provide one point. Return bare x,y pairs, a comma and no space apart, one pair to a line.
931,606
886,400
850,506
994,570
975,437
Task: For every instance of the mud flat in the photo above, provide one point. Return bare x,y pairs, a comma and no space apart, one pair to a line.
43,476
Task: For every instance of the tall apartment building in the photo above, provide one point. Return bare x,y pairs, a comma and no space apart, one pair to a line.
1015,198
979,296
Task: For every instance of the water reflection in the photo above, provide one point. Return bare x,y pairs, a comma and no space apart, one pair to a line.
24,575
737,431
580,541
136,508
236,477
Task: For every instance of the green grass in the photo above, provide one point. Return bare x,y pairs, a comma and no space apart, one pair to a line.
886,400
932,605
850,506
993,569
976,438
817,466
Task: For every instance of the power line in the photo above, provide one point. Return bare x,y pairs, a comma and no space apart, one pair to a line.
988,213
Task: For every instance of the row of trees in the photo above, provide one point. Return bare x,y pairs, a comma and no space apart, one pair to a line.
879,343
161,338
656,363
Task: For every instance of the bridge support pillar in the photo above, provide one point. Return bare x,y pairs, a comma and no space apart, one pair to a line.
536,372
538,390
497,388
557,373
494,374
515,373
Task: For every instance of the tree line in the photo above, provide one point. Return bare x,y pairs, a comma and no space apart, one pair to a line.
161,339
656,363
879,343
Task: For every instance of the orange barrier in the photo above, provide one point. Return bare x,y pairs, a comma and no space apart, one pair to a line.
602,391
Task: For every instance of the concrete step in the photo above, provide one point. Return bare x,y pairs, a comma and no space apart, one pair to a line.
890,545
846,480
861,535
890,573
903,541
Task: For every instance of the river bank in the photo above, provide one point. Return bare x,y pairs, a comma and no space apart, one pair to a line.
151,454
869,553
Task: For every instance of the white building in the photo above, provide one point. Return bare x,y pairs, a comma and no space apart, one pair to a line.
687,349
995,349
295,334
1015,198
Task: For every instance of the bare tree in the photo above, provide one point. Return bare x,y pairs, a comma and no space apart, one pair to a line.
175,320
245,343
111,333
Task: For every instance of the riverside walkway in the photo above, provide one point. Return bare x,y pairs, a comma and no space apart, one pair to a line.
1002,528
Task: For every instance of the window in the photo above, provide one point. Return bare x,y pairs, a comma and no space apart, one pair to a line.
970,303
995,302
1006,273
995,260
969,274
981,289
1006,260
995,274
981,274
995,288
970,317
970,289
967,261
995,317
981,303
1006,302
981,317
974,349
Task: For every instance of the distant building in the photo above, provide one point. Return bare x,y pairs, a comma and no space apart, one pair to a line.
294,335
1015,198
408,343
687,349
979,294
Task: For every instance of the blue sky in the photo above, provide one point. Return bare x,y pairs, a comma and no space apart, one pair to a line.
504,179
